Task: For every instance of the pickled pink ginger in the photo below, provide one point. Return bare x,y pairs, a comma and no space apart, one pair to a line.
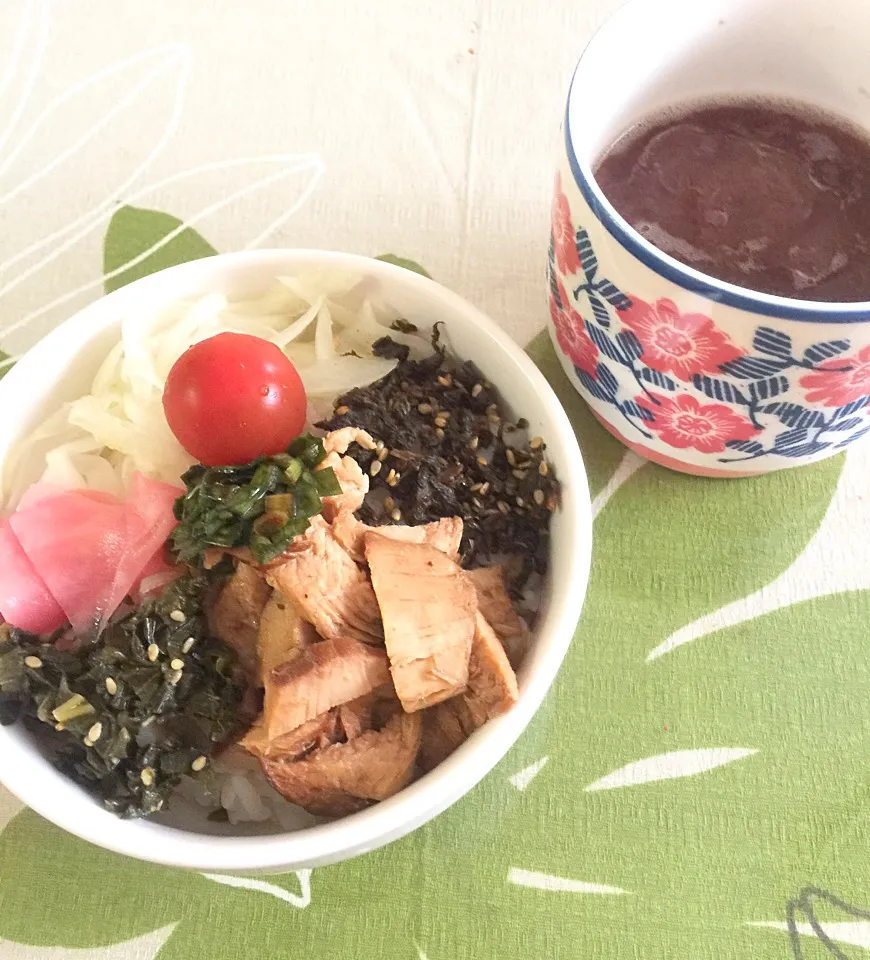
72,556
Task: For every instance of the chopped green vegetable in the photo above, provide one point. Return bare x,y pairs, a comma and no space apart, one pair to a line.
262,505
122,723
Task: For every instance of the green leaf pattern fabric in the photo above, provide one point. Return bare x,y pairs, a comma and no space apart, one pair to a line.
693,787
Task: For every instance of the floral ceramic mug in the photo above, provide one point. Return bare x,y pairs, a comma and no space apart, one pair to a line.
692,372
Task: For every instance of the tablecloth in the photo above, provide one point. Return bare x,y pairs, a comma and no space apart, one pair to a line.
694,785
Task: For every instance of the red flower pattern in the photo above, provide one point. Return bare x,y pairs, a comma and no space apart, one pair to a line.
564,233
571,333
679,343
837,387
683,422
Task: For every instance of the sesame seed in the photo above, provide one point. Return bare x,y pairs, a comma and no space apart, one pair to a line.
177,663
342,410
519,474
187,646
503,506
177,616
33,662
111,686
520,502
147,776
484,488
199,764
396,515
94,733
439,432
482,461
424,408
383,453
477,389
536,442
444,413
494,418
446,380
543,469
375,468
153,652
511,458
440,422
476,487
539,497
379,444
174,677
59,727
474,442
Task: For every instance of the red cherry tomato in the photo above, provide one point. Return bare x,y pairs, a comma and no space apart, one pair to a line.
232,398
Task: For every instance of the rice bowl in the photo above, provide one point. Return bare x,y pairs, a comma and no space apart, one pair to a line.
62,367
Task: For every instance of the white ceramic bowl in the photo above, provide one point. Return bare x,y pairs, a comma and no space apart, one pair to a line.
61,367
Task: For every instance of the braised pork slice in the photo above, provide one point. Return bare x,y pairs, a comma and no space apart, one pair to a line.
445,535
446,726
327,588
492,690
492,683
497,608
283,634
234,617
321,676
347,776
319,732
355,717
428,607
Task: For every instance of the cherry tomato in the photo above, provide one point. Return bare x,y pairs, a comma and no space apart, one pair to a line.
232,398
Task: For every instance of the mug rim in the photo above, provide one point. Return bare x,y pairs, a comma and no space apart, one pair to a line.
668,267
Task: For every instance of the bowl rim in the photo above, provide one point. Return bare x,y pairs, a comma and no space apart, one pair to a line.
666,266
430,795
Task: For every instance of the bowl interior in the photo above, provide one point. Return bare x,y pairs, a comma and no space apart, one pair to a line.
61,368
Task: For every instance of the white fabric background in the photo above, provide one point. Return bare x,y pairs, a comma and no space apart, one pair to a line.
428,150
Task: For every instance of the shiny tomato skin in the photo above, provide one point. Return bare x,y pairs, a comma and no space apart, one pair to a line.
232,398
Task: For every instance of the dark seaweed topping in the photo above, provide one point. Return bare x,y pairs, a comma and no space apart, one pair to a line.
128,715
450,451
388,349
262,505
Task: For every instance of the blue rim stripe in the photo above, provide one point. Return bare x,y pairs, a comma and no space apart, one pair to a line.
671,270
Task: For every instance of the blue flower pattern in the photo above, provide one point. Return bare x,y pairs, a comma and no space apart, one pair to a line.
753,382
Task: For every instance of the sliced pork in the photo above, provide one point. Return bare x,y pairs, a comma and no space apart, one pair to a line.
428,607
235,615
445,535
492,683
321,676
327,588
446,726
348,776
496,606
